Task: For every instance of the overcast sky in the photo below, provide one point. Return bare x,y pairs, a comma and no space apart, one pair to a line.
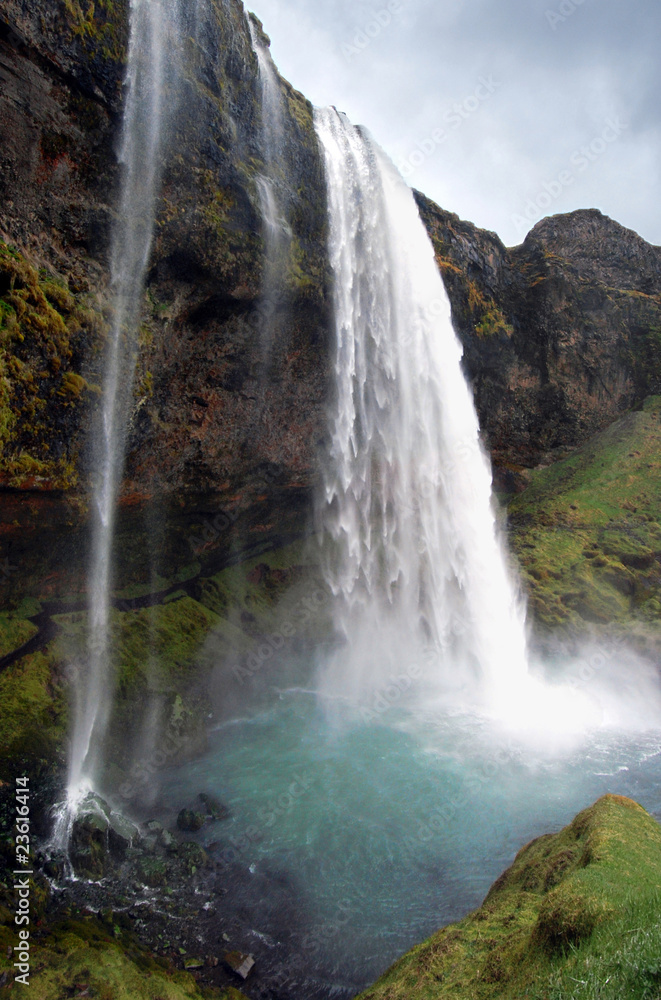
503,111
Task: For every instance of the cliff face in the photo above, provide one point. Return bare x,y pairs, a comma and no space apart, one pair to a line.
60,103
214,404
561,334
238,384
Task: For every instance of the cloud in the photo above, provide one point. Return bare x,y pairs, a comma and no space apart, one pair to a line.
563,68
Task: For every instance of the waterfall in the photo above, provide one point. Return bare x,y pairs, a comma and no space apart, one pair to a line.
140,160
412,552
272,187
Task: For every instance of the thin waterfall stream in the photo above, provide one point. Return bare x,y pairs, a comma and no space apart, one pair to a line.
272,189
140,161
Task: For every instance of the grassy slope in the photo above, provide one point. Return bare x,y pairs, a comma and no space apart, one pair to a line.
575,917
587,534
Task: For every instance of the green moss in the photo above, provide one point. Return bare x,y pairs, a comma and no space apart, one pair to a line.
154,647
107,962
101,26
43,400
229,249
568,902
587,533
301,277
164,656
257,597
14,632
75,385
484,315
33,721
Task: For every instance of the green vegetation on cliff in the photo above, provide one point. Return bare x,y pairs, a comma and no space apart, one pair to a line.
101,25
43,331
574,918
34,717
587,531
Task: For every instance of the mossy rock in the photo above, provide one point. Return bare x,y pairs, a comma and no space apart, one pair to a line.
190,821
152,872
101,27
192,855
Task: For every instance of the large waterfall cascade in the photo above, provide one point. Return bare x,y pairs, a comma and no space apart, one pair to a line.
415,561
151,23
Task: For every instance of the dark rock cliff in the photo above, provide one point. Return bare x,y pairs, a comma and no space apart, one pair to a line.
561,335
213,406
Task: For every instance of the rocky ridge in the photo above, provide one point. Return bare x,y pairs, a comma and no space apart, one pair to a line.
562,334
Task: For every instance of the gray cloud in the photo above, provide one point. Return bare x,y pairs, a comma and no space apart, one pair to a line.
563,69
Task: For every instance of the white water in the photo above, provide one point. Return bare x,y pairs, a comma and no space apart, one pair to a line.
140,158
414,561
272,186
272,109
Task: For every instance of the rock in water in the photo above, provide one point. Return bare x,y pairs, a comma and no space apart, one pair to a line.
239,963
190,821
215,809
89,839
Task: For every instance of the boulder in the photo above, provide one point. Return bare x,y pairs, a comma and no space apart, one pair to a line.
241,964
190,821
214,808
167,841
121,834
88,850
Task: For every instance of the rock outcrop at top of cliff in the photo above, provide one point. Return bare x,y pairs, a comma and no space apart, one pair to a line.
561,334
